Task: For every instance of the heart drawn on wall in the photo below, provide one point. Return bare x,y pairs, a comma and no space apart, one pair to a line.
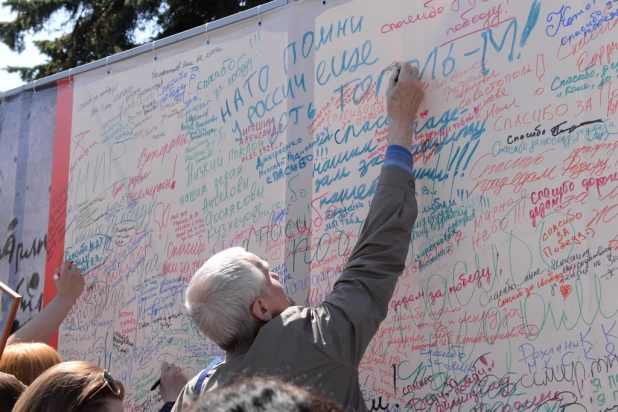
566,290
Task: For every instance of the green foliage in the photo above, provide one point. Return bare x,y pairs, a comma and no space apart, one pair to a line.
99,28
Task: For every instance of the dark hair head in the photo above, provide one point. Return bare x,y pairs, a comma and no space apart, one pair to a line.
69,387
10,390
257,395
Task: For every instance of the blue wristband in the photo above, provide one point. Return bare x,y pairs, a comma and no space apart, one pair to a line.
399,156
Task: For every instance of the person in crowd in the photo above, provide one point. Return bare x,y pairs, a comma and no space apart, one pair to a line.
10,390
237,302
172,382
73,387
26,361
258,394
70,284
26,356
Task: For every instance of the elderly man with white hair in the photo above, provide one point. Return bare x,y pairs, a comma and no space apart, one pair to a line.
238,302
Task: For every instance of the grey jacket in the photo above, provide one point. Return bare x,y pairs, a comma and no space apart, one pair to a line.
321,347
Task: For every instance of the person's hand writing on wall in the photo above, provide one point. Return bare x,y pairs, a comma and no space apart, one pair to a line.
172,382
70,284
403,99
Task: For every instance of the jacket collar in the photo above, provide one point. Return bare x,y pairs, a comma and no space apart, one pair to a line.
241,350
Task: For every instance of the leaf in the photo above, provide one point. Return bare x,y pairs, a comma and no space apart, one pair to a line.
97,29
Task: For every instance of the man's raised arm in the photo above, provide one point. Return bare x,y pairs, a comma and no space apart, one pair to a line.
349,317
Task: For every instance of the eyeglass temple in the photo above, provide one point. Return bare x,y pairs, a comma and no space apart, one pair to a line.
106,383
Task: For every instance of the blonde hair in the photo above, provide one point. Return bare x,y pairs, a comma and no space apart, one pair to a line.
68,387
26,361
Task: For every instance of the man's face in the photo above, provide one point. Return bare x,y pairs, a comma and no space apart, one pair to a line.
276,297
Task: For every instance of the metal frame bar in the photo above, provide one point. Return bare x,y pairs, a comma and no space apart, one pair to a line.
148,47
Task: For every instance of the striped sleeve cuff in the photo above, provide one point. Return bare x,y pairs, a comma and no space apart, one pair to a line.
399,156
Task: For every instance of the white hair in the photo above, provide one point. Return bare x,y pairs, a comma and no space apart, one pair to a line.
220,296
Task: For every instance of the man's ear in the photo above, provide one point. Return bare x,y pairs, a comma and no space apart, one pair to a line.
260,310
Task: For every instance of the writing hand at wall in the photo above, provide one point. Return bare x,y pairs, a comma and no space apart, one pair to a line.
403,98
172,382
70,282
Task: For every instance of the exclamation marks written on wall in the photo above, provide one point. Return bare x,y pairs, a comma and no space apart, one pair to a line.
485,202
322,151
540,66
460,155
520,210
174,172
161,216
463,194
540,72
450,165
469,157
255,39
533,18
395,378
221,136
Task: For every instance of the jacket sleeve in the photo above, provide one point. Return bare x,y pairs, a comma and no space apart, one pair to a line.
167,407
344,324
185,398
